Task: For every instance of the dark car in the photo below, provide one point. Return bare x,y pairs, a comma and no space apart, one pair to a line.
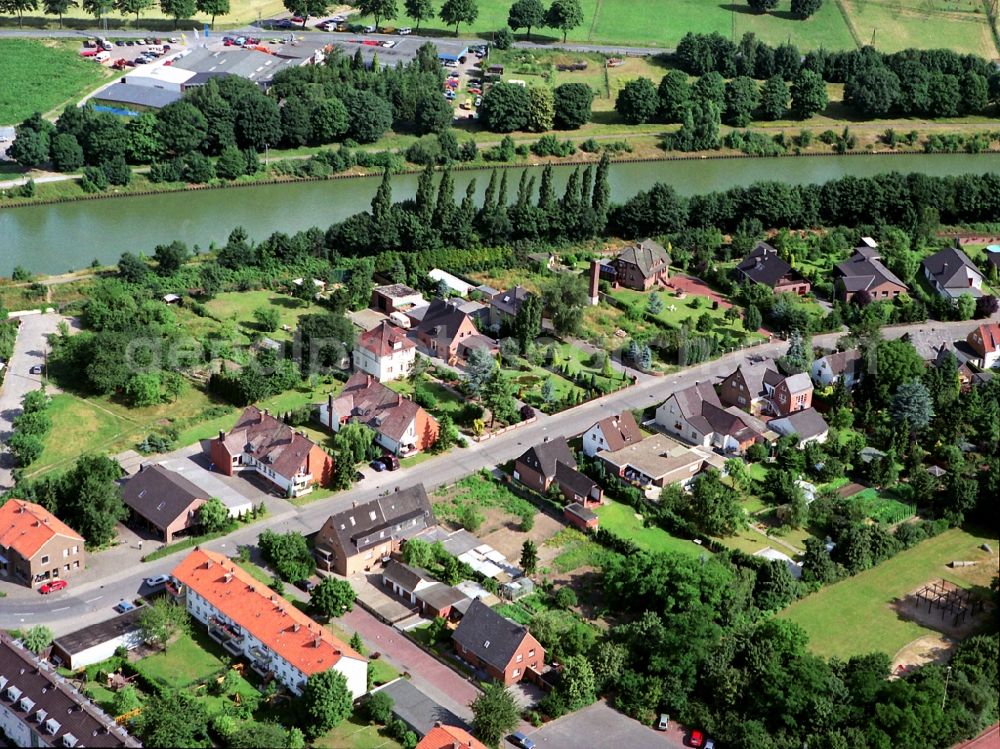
36,369
306,585
519,739
391,462
378,465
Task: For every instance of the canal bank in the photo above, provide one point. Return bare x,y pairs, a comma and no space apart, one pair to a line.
57,238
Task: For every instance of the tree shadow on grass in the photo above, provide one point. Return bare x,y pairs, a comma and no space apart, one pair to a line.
746,10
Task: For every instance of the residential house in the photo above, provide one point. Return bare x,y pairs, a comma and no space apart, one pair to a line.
552,462
758,387
442,328
611,433
506,305
580,517
449,737
660,461
163,501
844,366
764,266
35,545
250,620
359,537
477,311
260,443
438,599
417,710
395,297
864,271
809,425
695,415
385,353
405,581
951,273
400,425
97,642
985,343
642,266
38,707
504,649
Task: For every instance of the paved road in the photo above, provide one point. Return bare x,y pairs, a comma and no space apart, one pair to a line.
29,350
76,606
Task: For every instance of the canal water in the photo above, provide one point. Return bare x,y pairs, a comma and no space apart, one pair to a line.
66,236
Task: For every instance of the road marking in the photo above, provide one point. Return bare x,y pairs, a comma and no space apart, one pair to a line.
91,600
64,608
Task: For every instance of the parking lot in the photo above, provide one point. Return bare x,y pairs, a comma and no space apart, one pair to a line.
124,54
614,729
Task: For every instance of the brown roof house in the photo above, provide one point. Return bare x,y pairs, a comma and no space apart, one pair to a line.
642,266
695,415
259,442
764,266
503,648
400,425
163,501
761,389
952,274
611,433
444,329
35,545
847,366
660,461
864,271
552,462
385,353
505,305
358,538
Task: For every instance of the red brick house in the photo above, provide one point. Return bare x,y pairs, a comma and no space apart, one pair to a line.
759,388
35,545
764,266
552,462
442,329
261,443
504,649
864,271
642,266
580,517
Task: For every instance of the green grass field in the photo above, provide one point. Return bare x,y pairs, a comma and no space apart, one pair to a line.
42,75
239,306
355,733
899,24
621,520
856,616
188,660
78,425
576,551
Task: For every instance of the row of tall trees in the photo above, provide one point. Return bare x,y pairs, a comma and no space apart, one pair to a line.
176,9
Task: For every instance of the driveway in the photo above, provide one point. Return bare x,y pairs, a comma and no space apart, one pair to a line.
29,350
613,728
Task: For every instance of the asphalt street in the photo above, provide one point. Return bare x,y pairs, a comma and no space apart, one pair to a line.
89,597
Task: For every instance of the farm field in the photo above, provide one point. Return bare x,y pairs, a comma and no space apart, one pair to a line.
42,75
959,25
856,616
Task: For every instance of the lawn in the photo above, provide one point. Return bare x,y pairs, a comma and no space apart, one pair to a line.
579,362
482,492
78,426
355,733
899,24
687,311
189,660
855,616
576,551
529,380
239,306
621,520
42,75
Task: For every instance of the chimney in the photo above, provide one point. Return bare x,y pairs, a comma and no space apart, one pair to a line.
595,278
399,400
267,412
222,435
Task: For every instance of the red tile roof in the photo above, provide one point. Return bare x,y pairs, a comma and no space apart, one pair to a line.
382,339
27,527
990,335
270,618
449,737
988,739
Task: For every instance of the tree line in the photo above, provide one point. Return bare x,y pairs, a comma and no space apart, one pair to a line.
176,9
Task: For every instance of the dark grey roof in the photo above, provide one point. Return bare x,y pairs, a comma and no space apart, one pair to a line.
580,511
441,321
764,266
439,596
416,709
160,495
807,424
645,256
510,302
692,401
399,515
404,575
950,268
545,456
581,485
141,96
101,632
864,269
492,638
48,707
395,290
845,362
258,67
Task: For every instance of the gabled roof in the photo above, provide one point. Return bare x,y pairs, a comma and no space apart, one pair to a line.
398,515
580,484
645,255
619,431
734,422
441,321
449,737
373,404
807,423
160,495
844,362
271,442
510,302
404,575
384,340
494,639
440,596
254,607
930,344
864,270
757,374
764,266
545,456
951,269
691,398
798,382
987,337
26,527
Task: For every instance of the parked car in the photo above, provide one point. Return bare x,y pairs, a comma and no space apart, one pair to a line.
369,29
157,580
479,101
123,606
519,739
35,369
663,723
298,19
696,739
391,462
709,744
305,584
52,586
405,31
378,465
475,90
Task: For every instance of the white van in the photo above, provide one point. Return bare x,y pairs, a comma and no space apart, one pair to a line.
102,57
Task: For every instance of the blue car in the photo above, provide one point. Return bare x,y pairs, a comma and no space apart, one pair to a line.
378,465
124,606
519,739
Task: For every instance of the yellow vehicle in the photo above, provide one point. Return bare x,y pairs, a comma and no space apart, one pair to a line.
387,30
467,104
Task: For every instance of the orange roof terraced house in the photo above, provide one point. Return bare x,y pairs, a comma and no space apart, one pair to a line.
35,545
449,737
250,620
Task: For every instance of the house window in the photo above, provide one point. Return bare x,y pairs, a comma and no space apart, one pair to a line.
531,653
65,553
45,559
519,658
76,565
76,550
517,672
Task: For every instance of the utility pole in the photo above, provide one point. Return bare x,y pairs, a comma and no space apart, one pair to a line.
947,679
873,36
